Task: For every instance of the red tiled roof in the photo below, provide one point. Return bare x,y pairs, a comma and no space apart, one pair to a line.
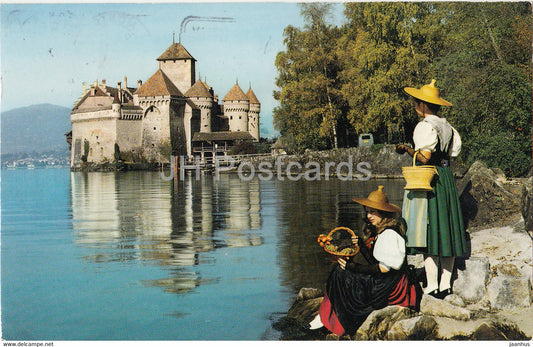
176,51
158,84
251,96
198,90
235,94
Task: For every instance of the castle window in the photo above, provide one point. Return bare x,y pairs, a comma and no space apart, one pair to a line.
240,117
154,128
230,117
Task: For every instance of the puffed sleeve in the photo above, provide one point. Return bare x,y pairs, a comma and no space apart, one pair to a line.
456,143
425,137
389,249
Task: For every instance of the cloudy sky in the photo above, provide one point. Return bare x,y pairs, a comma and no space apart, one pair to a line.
49,50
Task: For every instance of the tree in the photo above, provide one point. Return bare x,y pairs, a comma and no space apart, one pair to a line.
310,102
485,67
386,46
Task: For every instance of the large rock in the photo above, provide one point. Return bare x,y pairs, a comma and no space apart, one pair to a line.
495,330
489,328
455,300
438,320
435,307
377,324
485,201
527,204
506,292
416,328
471,281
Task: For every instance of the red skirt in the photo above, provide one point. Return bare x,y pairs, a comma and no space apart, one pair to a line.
404,294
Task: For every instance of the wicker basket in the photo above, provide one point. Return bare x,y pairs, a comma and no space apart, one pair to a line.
418,178
325,241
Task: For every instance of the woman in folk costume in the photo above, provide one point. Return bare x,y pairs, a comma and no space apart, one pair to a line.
434,219
373,278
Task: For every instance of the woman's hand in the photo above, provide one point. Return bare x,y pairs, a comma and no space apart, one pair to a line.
355,240
401,149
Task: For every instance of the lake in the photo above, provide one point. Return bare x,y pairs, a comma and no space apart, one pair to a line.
132,256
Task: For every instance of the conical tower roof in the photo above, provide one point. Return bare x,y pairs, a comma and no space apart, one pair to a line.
198,90
158,84
251,96
235,94
176,51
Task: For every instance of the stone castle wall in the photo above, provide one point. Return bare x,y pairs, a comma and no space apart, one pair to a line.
237,113
129,136
181,73
99,128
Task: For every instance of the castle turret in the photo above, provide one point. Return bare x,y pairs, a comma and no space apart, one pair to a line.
202,98
253,114
115,106
179,66
236,107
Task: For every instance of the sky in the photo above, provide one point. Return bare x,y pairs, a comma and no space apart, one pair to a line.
49,50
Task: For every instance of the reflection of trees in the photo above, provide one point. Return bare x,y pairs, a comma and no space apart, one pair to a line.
137,216
307,209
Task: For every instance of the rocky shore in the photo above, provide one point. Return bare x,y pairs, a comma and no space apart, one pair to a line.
491,300
492,292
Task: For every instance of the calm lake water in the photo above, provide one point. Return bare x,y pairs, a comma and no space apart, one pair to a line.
130,256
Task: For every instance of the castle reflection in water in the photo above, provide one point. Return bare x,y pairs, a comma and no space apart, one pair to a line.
139,217
178,225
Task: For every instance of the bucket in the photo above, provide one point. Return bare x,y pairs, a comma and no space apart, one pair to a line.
418,178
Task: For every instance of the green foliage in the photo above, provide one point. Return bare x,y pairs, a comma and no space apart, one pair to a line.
502,150
243,147
117,152
488,79
86,148
310,103
262,147
479,53
165,149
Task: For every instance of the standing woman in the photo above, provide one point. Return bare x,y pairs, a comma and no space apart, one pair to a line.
355,289
435,142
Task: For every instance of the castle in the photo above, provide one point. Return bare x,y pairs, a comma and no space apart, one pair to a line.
171,114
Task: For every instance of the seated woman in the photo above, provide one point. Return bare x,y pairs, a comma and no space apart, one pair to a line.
355,288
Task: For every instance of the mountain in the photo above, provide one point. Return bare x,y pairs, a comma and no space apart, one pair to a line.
36,128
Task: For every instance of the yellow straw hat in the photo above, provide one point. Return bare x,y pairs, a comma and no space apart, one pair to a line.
428,93
378,200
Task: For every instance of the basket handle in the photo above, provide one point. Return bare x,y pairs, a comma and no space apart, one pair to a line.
414,157
414,161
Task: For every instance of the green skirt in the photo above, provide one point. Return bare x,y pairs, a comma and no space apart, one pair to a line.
445,234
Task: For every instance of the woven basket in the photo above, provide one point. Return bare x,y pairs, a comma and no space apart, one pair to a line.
325,242
418,178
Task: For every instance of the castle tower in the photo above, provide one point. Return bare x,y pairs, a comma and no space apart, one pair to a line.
179,66
115,106
253,114
236,107
202,98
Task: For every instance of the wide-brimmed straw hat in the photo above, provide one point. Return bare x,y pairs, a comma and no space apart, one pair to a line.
378,200
428,93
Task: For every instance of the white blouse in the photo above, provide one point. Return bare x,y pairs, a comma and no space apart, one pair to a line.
389,249
425,135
